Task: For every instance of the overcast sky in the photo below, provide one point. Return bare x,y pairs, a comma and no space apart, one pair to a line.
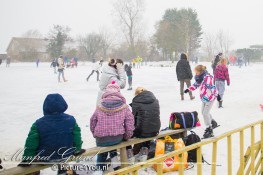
242,19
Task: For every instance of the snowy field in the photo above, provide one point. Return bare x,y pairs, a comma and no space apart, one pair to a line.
24,87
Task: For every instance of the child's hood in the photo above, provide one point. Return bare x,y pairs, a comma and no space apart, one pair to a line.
54,104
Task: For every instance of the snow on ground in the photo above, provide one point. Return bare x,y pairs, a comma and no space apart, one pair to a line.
24,87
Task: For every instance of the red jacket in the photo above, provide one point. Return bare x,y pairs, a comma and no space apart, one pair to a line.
221,73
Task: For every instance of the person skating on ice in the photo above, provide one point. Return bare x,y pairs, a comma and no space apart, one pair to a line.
113,71
221,75
128,70
96,68
61,67
208,93
54,64
184,75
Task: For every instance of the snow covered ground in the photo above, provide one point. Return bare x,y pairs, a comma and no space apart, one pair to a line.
23,88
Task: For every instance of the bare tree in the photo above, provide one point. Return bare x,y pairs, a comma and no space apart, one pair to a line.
106,41
224,41
33,33
91,43
129,14
210,45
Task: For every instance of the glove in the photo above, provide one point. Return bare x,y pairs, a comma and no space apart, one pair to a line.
186,91
219,98
24,163
77,153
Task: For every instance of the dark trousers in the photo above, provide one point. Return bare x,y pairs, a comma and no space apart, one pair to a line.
188,84
137,147
92,72
102,158
130,81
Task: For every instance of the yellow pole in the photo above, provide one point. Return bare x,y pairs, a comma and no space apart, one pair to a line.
181,164
214,158
229,154
252,165
199,161
160,168
135,172
242,158
261,146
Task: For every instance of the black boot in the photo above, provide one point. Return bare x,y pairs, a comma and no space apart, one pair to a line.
208,133
220,104
214,124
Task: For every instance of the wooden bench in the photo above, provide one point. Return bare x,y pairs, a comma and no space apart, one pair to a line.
93,151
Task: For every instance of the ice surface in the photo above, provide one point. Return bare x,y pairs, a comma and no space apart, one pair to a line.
23,88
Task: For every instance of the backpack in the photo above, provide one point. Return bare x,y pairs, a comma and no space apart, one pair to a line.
189,140
179,120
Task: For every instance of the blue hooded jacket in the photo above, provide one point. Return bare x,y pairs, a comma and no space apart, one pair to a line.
55,128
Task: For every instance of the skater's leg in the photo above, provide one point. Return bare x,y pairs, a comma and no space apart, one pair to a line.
98,75
90,75
130,82
182,89
101,159
59,74
206,108
63,76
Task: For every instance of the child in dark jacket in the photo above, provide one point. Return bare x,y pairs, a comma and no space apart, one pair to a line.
146,110
221,75
128,71
111,123
53,134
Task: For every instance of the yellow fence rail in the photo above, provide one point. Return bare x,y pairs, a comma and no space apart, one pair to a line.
248,164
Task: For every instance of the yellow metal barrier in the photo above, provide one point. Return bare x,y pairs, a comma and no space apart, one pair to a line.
248,163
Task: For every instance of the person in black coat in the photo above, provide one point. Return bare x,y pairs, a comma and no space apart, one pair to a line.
146,110
128,71
184,75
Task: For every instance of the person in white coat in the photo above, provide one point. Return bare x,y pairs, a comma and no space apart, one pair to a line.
113,71
96,68
61,67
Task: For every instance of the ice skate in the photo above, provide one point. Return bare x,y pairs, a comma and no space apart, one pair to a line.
214,124
130,156
208,133
143,154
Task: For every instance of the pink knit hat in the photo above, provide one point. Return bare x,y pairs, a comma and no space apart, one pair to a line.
113,87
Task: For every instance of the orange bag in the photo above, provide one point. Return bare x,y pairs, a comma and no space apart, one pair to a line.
168,145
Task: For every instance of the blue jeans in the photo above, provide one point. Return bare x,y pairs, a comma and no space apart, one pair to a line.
61,72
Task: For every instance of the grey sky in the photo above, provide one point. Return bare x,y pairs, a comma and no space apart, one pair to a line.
242,19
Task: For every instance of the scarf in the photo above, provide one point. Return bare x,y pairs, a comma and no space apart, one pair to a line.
200,78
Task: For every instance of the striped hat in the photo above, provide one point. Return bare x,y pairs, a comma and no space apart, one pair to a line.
113,87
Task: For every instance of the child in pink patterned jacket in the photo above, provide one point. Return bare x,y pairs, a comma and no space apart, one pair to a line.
208,94
221,75
112,122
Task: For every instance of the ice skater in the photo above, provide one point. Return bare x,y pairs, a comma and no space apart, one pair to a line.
54,64
184,75
221,75
113,71
128,70
96,68
8,61
37,62
61,67
208,94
